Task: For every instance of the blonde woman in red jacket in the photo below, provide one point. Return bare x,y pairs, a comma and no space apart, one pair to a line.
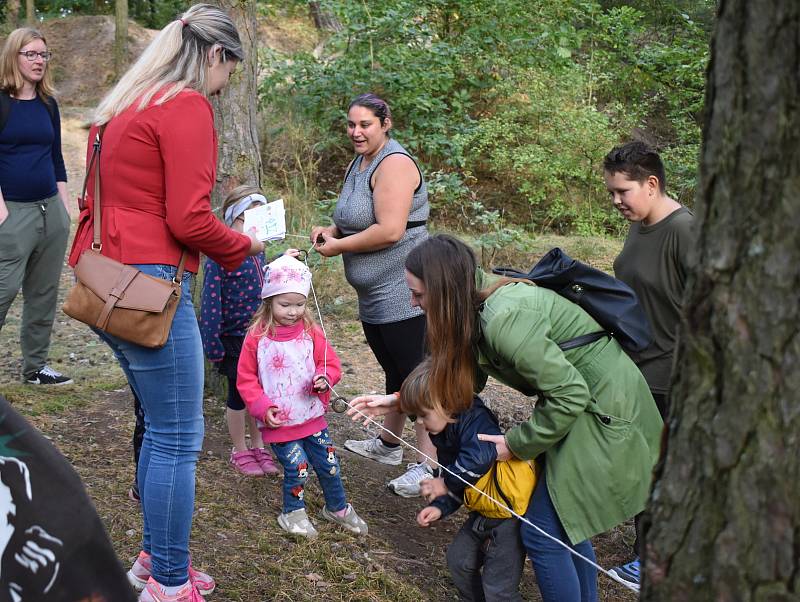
159,152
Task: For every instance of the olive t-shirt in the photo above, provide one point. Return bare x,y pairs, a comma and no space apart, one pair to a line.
654,262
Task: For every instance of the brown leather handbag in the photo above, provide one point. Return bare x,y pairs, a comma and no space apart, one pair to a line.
118,298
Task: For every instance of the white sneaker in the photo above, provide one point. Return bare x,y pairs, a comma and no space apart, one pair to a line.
407,484
297,523
375,449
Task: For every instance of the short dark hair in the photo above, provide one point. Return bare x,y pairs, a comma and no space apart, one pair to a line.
374,103
637,160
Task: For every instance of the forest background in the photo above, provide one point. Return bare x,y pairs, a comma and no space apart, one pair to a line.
509,105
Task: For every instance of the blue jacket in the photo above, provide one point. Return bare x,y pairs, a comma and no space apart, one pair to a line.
228,302
460,451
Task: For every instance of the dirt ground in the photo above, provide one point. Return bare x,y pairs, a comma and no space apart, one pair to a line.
235,536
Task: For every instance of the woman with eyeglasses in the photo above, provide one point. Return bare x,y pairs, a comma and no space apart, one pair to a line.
34,217
157,170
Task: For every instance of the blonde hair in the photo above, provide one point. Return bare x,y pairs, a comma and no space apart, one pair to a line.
416,397
11,80
237,194
175,60
263,322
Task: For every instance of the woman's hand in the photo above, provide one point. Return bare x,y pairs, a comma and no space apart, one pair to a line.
3,211
428,515
330,245
316,237
503,452
271,418
256,246
373,406
430,489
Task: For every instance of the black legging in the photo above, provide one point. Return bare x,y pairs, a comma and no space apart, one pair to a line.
398,347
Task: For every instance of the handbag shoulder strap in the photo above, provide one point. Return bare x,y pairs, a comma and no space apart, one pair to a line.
97,244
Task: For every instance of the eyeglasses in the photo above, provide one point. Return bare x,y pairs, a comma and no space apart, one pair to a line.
32,54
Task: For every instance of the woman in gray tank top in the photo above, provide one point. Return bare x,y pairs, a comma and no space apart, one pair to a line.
379,217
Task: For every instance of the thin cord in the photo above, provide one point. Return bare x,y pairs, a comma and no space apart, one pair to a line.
436,463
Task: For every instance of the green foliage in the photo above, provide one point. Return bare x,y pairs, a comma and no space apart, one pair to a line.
510,105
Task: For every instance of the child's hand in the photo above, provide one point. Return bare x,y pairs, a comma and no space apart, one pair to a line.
430,489
428,515
271,418
320,384
292,253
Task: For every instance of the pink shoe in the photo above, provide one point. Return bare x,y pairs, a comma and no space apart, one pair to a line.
153,592
265,461
139,575
246,463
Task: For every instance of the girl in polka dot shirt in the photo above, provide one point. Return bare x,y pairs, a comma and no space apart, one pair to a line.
229,300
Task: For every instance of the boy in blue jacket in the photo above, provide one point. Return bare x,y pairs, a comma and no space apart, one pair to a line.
490,544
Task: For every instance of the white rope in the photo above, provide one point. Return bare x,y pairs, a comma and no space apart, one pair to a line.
436,463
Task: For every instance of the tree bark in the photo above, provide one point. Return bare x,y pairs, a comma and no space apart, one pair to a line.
235,110
726,503
12,14
323,20
30,13
120,37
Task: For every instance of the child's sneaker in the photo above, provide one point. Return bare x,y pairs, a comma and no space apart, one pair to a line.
139,575
133,494
245,462
265,461
153,592
629,573
350,521
407,484
297,523
377,450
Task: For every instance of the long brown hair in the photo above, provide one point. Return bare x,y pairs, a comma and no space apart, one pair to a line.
10,77
446,267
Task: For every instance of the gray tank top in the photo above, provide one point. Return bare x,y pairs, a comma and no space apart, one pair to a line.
378,276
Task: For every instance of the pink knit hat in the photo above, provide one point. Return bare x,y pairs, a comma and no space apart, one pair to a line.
286,275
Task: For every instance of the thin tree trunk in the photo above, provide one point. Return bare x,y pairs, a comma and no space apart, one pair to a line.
30,13
236,121
323,20
726,504
12,14
120,37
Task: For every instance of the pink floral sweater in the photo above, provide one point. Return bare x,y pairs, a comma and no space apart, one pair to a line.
278,370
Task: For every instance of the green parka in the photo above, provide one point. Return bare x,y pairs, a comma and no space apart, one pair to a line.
596,424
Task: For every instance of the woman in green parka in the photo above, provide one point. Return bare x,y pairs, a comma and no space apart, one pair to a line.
595,429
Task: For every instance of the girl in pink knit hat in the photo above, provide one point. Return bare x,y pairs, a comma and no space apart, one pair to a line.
285,371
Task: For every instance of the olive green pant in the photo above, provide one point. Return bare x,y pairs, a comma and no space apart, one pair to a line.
33,239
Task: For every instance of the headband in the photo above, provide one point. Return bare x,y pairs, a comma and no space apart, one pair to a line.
239,207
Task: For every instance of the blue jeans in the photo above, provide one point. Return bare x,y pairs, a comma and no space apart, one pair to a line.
169,385
561,576
295,456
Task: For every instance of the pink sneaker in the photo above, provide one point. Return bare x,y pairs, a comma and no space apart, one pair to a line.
153,592
139,575
246,463
265,461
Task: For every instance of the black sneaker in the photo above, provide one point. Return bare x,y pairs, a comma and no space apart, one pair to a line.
47,376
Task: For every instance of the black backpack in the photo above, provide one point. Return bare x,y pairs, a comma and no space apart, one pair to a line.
609,301
5,109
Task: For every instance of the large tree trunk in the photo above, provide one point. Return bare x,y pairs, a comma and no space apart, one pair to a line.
235,109
120,37
726,504
30,13
12,14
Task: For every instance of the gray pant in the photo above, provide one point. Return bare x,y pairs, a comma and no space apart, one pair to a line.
33,239
495,545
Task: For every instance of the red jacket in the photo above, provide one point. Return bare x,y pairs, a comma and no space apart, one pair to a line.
157,170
